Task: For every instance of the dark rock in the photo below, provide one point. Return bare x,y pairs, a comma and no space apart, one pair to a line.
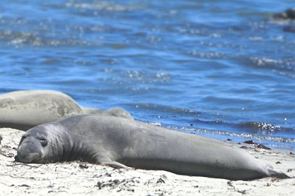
249,142
244,147
10,155
110,183
160,180
243,192
263,147
288,14
83,166
24,185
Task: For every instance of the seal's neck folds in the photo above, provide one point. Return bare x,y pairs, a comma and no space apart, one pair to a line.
66,147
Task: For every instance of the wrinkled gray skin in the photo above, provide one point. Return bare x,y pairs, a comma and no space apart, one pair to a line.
28,108
121,142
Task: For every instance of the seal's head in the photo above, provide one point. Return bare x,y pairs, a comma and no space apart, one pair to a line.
51,142
43,144
32,146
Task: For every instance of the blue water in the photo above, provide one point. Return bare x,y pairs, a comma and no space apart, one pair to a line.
218,68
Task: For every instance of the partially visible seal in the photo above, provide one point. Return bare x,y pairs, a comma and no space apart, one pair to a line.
121,142
28,108
288,14
115,111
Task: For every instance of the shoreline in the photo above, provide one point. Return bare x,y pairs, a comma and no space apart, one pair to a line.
76,178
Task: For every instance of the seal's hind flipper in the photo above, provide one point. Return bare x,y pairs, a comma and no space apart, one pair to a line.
272,173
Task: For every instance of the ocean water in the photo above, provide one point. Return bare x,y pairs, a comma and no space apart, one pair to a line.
218,68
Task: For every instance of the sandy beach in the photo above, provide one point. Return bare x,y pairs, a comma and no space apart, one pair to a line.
78,178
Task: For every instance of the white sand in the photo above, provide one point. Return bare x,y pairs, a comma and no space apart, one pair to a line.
78,178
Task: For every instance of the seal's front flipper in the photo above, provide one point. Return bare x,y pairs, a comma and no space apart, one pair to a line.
103,160
115,165
272,173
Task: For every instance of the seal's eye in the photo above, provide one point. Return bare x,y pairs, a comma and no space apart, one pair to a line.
43,141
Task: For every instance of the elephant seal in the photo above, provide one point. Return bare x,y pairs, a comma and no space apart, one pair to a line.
121,142
115,111
28,108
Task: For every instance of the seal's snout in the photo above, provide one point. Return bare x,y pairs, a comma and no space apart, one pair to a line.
27,157
16,158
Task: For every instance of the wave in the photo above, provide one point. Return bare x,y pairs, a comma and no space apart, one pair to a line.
17,38
263,128
102,6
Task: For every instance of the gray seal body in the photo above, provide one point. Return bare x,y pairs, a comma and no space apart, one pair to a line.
28,108
121,142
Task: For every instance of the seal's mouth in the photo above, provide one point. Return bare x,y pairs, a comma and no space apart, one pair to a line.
28,158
